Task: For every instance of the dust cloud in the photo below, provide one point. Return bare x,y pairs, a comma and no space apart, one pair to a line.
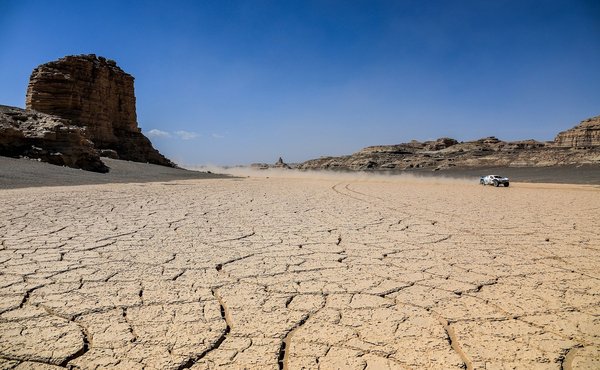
337,175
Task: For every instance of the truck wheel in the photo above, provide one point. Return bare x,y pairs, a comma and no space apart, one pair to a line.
506,184
481,182
495,183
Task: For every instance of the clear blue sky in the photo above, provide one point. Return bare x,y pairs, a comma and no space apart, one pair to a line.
227,82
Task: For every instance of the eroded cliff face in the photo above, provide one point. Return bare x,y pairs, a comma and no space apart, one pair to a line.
584,135
48,138
94,93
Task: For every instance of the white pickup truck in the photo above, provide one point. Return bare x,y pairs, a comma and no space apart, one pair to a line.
494,180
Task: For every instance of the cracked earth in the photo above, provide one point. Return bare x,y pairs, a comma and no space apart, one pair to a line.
279,273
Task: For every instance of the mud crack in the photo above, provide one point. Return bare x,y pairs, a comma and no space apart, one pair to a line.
283,354
453,341
225,315
566,362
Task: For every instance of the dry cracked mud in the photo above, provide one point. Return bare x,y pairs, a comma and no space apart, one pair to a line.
281,273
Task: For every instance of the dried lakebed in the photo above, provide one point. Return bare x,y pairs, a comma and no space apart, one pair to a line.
300,273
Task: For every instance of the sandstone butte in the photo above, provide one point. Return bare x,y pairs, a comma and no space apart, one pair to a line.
86,92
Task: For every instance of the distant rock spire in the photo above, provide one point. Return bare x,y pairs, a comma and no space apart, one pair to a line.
281,164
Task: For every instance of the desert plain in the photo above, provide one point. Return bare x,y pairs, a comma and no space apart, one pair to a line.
300,272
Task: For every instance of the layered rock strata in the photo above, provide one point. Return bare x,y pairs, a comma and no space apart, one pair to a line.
584,135
26,133
580,145
93,92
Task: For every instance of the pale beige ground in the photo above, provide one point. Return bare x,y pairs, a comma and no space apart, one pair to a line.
299,273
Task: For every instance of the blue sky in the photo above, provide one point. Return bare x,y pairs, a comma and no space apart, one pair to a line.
229,82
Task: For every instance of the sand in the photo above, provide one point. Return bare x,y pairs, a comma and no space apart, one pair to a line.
300,272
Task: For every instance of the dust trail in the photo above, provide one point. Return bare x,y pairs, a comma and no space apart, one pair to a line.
335,175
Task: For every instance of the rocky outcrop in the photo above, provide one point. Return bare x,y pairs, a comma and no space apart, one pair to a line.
94,93
580,145
26,133
584,135
281,164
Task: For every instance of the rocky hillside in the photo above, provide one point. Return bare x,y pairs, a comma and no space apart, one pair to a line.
95,94
579,145
584,135
47,138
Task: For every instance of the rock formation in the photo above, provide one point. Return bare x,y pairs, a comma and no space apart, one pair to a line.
584,135
94,93
47,138
580,145
281,164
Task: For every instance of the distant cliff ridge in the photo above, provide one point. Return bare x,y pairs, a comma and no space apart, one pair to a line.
95,94
579,145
